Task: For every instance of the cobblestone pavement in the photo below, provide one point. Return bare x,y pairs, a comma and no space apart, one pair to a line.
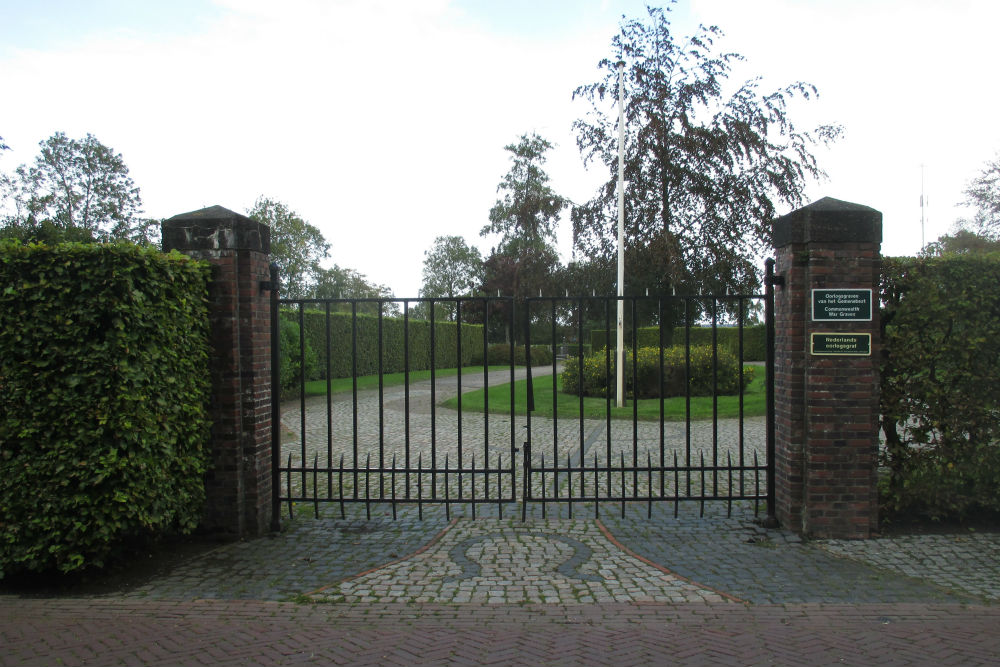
712,589
609,585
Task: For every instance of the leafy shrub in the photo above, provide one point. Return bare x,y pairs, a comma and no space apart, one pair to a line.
940,385
293,360
728,338
643,375
103,416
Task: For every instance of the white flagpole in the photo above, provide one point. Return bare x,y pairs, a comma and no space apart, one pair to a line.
620,350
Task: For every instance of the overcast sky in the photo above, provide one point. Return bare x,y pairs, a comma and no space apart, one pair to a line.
383,122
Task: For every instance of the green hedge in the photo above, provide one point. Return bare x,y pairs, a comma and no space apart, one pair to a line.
103,417
499,355
340,356
595,380
754,339
940,385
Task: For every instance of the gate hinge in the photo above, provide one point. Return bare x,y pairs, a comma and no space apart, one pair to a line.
776,280
266,285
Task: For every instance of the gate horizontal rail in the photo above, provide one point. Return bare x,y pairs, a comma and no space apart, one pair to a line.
398,446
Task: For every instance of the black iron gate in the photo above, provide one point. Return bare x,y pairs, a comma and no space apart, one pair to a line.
382,438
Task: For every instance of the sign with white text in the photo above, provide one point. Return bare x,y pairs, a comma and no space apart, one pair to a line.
842,305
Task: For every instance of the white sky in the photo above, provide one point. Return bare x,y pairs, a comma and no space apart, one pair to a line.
383,122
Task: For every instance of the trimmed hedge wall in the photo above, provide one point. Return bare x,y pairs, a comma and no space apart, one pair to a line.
103,417
754,339
446,354
940,385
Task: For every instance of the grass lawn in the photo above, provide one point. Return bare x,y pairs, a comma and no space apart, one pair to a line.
674,409
341,385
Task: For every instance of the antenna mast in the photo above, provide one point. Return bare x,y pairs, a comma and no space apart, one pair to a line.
923,202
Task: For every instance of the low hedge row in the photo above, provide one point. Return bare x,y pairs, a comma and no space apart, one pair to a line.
103,418
720,373
754,339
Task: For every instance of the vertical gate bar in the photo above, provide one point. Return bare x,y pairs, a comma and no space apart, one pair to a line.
677,483
512,328
447,496
302,390
474,483
663,444
316,485
354,390
607,382
275,400
433,407
420,486
579,375
381,396
329,406
340,484
622,452
486,402
530,398
569,483
406,397
458,333
500,483
392,485
649,485
739,326
701,512
635,399
597,495
368,484
715,395
756,487
543,485
291,513
769,363
555,379
525,481
687,388
729,495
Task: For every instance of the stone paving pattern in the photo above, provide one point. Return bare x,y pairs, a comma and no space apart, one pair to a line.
605,585
712,589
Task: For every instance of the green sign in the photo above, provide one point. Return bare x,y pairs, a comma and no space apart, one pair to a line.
851,305
849,344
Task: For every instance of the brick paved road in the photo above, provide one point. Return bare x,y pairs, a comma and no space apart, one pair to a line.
705,587
559,591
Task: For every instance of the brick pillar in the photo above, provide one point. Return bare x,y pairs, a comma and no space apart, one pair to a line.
238,485
826,372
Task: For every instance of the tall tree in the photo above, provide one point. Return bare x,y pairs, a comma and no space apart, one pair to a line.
983,196
705,169
528,209
296,246
525,216
79,186
451,268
